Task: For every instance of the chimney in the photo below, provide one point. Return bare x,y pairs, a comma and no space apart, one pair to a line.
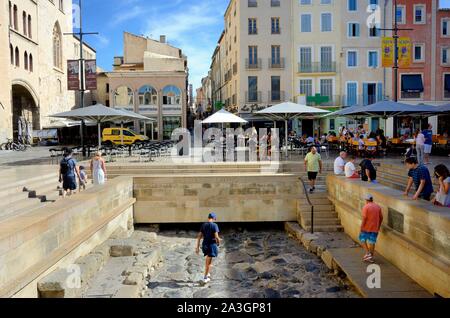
162,38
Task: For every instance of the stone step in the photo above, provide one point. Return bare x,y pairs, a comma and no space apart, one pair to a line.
30,184
325,228
317,208
319,215
13,208
46,187
321,222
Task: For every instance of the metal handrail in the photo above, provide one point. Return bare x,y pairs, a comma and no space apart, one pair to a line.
309,202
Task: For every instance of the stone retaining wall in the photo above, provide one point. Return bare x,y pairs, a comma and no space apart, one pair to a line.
415,236
249,198
54,236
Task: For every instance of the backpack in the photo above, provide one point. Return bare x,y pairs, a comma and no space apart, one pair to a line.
64,166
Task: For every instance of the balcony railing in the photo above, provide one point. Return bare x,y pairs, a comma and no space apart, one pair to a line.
254,64
252,3
342,100
277,63
317,67
276,96
253,97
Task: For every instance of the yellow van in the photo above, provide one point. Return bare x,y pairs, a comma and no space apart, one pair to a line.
113,136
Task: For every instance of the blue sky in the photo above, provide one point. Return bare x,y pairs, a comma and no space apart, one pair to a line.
192,25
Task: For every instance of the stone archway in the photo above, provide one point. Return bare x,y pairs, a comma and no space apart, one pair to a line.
25,106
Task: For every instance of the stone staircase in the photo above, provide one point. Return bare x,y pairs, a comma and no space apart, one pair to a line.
325,217
24,196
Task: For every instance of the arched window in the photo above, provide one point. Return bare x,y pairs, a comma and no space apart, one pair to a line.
30,66
57,47
123,96
24,22
11,53
10,14
30,34
148,95
16,24
17,57
25,60
171,95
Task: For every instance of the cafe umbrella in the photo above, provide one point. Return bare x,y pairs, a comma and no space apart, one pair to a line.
97,113
288,111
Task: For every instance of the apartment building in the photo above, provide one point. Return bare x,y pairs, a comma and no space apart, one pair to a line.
364,80
316,50
257,57
427,80
150,79
33,68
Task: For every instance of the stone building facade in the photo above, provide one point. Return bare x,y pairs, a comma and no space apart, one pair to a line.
33,68
150,79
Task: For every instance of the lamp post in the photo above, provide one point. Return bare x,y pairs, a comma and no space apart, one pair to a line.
395,36
82,89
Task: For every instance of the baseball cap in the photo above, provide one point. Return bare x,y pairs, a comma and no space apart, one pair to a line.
212,216
368,197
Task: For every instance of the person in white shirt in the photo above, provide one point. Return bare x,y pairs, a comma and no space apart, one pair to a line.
339,163
420,146
350,170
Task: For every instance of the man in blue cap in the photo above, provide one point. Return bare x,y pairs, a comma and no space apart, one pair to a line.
210,234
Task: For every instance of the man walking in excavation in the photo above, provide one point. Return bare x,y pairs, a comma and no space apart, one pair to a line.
209,232
372,218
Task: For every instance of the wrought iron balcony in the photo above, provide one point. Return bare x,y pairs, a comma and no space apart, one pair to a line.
277,63
276,96
253,97
254,64
317,67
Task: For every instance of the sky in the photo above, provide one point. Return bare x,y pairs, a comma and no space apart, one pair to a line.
191,25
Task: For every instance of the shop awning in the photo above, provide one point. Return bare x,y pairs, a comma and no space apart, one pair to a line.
412,83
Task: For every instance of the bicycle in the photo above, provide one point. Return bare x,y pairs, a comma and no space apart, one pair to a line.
14,146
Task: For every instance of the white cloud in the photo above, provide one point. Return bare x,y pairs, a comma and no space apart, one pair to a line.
194,28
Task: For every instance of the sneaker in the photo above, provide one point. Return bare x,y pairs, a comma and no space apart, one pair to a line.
311,190
367,256
206,280
209,275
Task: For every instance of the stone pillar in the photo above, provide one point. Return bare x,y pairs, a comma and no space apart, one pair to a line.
160,115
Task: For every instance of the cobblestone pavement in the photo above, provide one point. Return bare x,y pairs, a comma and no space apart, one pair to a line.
251,264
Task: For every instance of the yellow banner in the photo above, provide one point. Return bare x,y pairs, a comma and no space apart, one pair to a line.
404,52
388,52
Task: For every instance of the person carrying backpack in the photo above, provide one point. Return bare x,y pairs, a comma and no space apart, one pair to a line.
68,171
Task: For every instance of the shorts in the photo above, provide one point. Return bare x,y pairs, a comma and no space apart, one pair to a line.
312,175
210,250
426,197
369,237
69,183
427,149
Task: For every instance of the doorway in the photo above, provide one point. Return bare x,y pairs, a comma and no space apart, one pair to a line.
308,127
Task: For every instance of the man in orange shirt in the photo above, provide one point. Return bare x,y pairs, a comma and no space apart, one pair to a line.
372,218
